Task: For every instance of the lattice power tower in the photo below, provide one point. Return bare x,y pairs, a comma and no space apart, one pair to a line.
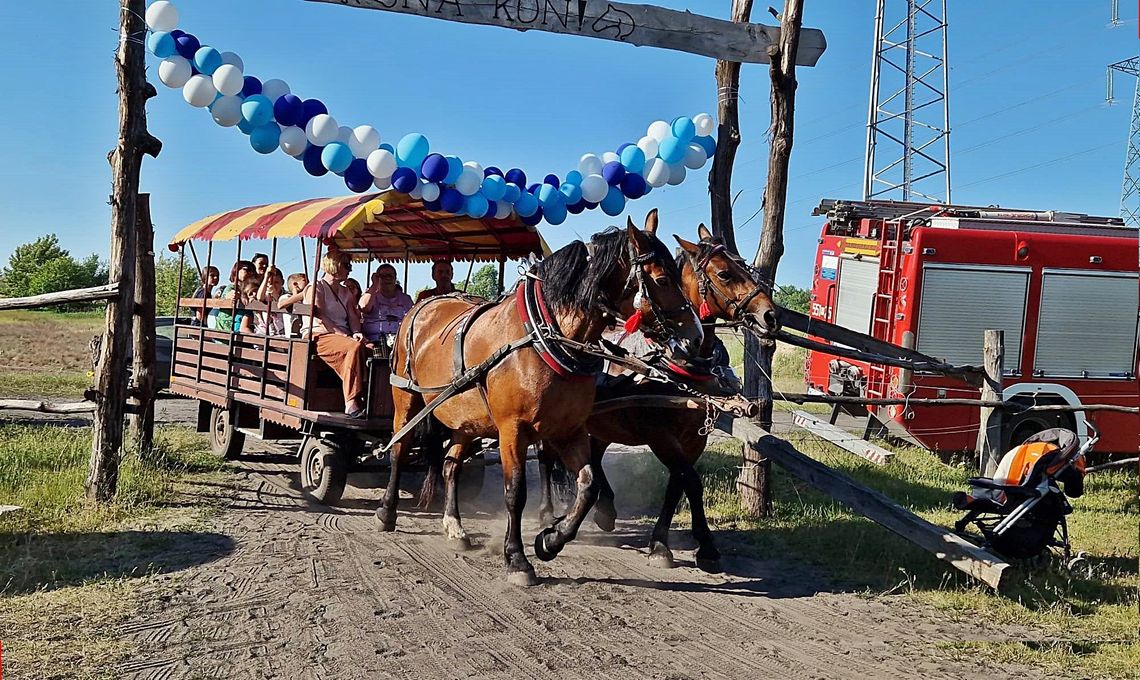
908,121
1130,191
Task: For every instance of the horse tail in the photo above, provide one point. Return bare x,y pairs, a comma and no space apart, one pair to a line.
429,435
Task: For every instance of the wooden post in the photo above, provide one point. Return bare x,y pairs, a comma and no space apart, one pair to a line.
142,419
126,161
727,138
990,425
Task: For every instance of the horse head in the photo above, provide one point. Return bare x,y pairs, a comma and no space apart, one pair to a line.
723,286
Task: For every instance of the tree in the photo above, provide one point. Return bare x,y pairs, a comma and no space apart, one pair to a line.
484,283
793,297
166,284
43,267
25,261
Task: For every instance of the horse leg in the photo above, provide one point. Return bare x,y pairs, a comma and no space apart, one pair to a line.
452,468
707,556
407,406
546,500
605,515
576,456
512,452
659,553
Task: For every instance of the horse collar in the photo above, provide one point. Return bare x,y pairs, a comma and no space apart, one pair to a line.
541,325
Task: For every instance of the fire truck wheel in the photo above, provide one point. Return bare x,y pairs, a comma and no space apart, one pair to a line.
324,471
1024,425
225,441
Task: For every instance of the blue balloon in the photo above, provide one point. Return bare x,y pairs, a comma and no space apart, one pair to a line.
633,158
555,214
389,148
492,170
161,44
312,160
672,150
357,178
411,150
435,205
573,177
454,169
516,176
684,129
265,138
494,187
511,193
614,202
590,205
404,179
552,180
546,194
633,185
706,143
527,205
177,33
532,219
257,110
613,172
310,108
477,205
207,60
572,192
451,200
624,146
337,157
434,168
251,87
245,126
187,45
288,110
576,208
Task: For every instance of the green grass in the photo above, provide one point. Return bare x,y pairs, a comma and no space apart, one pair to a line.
20,384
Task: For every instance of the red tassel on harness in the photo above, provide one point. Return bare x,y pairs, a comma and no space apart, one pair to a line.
705,311
633,322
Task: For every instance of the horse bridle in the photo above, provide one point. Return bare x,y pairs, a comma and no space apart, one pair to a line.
661,325
735,308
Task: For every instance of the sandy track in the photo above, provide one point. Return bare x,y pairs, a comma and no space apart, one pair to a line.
313,592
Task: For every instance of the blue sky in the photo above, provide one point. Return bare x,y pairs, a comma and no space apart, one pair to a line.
1030,125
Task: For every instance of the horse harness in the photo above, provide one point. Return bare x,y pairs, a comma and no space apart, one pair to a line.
732,306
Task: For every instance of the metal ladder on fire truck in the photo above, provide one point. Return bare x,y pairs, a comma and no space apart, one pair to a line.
883,315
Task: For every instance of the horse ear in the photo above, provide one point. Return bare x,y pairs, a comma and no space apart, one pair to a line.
691,248
704,232
638,240
651,222
629,222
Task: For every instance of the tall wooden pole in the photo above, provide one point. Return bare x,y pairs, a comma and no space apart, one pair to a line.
142,371
727,138
990,424
126,161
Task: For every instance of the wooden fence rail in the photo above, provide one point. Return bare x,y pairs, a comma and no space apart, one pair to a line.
62,297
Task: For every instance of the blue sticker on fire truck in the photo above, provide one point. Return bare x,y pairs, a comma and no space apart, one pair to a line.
829,252
827,274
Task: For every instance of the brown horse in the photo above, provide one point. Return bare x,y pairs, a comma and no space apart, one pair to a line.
721,285
539,387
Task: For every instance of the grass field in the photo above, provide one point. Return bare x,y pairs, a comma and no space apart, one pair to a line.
67,566
45,354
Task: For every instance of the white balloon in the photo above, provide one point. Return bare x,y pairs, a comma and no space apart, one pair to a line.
162,16
676,173
382,183
417,190
274,89
695,156
469,181
659,130
704,123
594,188
430,191
227,111
321,129
610,157
656,173
293,140
474,165
233,59
589,164
199,91
228,79
648,146
502,210
343,134
364,140
381,163
174,71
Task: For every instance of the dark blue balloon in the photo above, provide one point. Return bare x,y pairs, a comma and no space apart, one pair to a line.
187,45
404,180
433,205
516,176
251,87
633,185
288,109
533,188
389,148
491,210
194,69
613,171
578,207
451,200
590,205
622,147
309,109
357,177
177,33
434,168
487,172
313,164
552,180
533,219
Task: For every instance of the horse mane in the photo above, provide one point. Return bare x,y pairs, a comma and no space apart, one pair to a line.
572,279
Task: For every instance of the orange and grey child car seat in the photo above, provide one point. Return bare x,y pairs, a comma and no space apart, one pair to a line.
1021,511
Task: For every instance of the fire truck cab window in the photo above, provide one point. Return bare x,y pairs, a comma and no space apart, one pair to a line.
1085,310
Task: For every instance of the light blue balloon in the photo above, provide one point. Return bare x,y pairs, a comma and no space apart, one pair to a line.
265,138
684,129
454,169
614,202
494,187
672,150
555,214
546,195
207,60
572,192
411,150
161,44
633,158
527,204
336,156
477,205
257,110
511,193
573,177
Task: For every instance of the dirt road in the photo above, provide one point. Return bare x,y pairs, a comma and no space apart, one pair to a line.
314,592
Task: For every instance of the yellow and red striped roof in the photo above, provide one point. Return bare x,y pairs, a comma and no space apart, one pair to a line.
384,226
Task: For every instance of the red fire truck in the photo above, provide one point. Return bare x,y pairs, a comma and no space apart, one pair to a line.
1063,286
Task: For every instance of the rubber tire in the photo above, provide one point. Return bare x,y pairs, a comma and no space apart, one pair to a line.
224,439
1022,426
324,471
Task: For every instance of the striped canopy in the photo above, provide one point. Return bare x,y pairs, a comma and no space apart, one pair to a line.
384,226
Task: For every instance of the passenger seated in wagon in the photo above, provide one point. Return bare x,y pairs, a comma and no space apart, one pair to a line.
336,330
441,273
383,305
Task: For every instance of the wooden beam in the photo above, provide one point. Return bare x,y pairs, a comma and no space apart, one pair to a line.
143,358
969,374
642,25
990,436
841,438
939,541
62,297
46,406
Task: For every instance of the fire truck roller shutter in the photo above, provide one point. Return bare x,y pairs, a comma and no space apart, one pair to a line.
1085,326
960,302
858,282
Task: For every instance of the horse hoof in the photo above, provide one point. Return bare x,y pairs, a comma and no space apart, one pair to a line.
523,579
460,544
711,566
604,520
661,558
541,550
387,519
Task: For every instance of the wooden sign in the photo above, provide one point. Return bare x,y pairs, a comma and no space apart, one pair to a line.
618,21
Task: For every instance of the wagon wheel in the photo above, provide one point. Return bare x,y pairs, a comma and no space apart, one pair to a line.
225,441
324,471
